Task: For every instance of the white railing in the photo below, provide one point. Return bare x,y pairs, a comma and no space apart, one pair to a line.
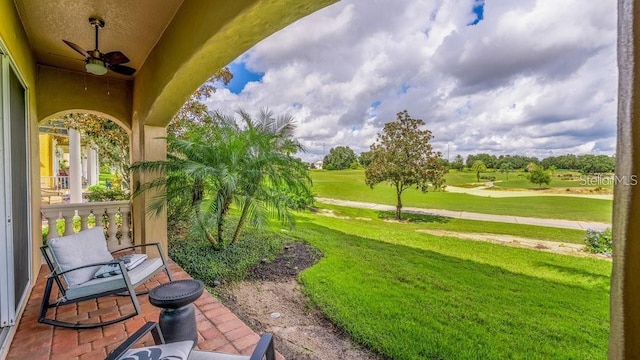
54,182
114,216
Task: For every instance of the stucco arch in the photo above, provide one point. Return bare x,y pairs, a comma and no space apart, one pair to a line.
203,37
59,114
63,91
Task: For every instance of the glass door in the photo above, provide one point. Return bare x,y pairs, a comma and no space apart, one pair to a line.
15,239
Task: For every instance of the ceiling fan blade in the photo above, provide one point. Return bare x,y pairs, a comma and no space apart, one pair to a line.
121,69
77,48
115,58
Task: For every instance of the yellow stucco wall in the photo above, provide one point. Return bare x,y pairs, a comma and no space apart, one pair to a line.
46,154
61,91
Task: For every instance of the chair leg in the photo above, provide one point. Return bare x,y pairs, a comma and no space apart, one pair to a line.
45,305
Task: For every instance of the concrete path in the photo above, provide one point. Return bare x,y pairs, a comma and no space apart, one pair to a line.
565,224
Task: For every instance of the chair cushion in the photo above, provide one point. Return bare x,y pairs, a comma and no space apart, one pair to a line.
130,261
174,351
137,276
86,247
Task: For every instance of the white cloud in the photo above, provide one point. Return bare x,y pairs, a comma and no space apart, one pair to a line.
533,77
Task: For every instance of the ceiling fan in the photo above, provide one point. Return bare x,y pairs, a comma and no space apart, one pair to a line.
96,62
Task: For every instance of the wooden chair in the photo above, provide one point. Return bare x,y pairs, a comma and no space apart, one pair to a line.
83,269
182,350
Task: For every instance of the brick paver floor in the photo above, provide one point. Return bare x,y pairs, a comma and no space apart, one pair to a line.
218,328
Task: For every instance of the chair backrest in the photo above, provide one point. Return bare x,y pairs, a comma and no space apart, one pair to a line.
72,251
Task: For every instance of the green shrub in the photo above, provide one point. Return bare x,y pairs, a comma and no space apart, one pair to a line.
100,193
599,242
196,256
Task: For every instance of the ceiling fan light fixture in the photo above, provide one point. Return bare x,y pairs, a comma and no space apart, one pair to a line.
95,66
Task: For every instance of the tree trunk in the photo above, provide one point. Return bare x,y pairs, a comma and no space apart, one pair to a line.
243,219
212,239
399,204
223,214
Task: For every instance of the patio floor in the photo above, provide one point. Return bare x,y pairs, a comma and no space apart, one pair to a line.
218,328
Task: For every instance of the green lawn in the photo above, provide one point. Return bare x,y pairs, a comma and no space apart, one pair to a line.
349,185
434,222
409,295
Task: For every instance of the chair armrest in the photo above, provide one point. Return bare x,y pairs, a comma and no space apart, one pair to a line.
264,348
58,273
133,247
139,334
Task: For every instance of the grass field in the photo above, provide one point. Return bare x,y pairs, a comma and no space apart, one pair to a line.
409,295
349,185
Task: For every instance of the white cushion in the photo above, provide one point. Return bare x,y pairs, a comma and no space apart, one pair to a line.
84,248
130,262
174,351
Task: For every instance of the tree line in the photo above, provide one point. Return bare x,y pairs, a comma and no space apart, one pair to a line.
343,157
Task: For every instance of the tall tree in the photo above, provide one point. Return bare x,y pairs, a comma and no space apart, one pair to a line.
194,112
403,157
478,167
339,158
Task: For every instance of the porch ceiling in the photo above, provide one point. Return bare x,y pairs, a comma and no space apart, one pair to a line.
132,27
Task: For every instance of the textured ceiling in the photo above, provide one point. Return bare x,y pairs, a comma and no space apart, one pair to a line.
131,26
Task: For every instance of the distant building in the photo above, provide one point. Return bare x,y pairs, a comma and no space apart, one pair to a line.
317,164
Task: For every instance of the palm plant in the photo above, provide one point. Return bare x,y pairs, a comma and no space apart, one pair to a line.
242,161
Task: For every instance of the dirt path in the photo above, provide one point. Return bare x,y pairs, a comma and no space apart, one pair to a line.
271,301
516,241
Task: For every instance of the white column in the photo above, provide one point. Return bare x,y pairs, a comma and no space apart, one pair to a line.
92,166
75,167
84,160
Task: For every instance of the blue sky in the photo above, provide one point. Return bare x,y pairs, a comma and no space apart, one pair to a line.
241,76
534,77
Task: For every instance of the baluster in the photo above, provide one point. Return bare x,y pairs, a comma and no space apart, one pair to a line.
68,220
52,227
113,228
125,238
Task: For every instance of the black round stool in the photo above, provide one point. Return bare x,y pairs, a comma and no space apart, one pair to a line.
177,318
